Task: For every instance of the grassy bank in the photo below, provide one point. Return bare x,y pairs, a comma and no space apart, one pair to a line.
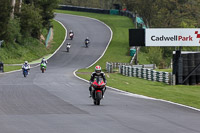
118,52
31,49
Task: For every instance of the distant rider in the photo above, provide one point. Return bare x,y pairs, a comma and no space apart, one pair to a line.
87,40
26,65
68,45
97,73
71,33
44,61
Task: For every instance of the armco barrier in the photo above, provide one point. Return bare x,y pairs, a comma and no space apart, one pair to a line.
83,9
140,71
103,11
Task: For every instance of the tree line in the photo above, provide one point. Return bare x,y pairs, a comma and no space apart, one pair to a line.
165,14
25,18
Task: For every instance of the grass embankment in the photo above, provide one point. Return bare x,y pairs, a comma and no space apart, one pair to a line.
117,52
31,50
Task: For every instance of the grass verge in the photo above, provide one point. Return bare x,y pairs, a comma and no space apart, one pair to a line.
118,52
32,49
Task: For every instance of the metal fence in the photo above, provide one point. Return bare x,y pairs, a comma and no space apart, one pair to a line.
83,9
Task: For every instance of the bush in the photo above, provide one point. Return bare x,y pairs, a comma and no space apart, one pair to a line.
155,55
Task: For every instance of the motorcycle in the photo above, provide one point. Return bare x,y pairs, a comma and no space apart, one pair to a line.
43,67
68,47
98,88
71,35
86,43
25,71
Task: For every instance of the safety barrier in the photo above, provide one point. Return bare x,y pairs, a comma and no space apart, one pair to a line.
83,9
140,71
110,66
102,11
48,37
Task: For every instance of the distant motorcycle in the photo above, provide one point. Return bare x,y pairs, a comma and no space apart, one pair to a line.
86,43
71,35
25,71
98,87
68,47
43,67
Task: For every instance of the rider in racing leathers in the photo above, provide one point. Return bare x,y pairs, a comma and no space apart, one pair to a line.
26,65
44,61
95,74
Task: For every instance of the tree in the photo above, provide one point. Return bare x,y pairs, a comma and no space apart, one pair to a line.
166,13
47,7
31,21
155,55
5,10
13,30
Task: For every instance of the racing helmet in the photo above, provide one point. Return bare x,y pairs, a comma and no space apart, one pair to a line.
43,59
98,70
26,62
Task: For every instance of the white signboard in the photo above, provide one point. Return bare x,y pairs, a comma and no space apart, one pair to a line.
172,37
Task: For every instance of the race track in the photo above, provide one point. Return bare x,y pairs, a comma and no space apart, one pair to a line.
57,101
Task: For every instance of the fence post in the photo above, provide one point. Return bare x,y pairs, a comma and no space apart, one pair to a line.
130,71
111,67
144,73
119,67
140,72
126,68
107,67
1,67
123,69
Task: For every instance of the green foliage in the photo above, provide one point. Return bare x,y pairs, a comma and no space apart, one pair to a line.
14,30
5,10
166,13
31,21
47,7
155,55
32,49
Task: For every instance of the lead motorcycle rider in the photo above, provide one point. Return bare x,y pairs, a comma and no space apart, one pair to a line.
97,73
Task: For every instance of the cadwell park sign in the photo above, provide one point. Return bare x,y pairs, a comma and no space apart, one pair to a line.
164,37
186,66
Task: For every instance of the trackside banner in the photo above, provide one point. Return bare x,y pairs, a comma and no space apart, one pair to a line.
172,37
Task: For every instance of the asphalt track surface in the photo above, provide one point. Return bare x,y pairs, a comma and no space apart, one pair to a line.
57,101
